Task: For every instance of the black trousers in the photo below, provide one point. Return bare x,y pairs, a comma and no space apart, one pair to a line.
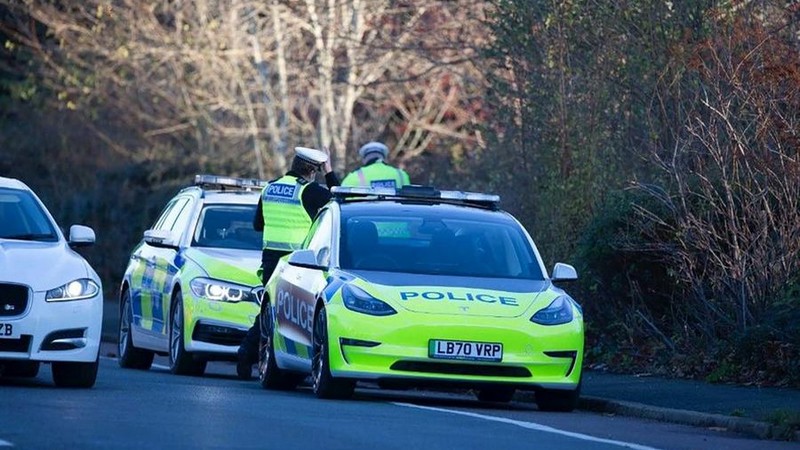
248,349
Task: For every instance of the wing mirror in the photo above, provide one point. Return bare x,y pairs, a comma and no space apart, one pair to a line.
81,236
564,272
306,259
161,238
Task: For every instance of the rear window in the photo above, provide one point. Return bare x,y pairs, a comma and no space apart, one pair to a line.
21,217
437,244
227,226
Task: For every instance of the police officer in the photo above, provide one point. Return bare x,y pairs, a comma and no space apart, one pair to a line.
375,172
284,214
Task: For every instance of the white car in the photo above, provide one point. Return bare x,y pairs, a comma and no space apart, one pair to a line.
51,300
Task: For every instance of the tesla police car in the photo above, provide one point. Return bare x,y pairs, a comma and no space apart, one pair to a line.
191,288
419,287
51,300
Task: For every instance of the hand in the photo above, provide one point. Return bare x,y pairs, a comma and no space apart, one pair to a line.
328,167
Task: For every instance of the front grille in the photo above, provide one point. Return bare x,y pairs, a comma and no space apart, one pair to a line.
21,345
217,334
484,370
13,299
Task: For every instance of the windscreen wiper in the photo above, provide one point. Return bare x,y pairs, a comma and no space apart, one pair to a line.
30,236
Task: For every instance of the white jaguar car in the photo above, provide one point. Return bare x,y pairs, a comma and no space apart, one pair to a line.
51,300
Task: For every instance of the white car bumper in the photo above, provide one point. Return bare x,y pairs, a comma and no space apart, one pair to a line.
53,331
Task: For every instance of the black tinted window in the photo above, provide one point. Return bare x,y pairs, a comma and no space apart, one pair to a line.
21,217
227,226
435,243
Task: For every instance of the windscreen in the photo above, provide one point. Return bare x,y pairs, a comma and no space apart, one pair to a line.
438,245
21,217
227,226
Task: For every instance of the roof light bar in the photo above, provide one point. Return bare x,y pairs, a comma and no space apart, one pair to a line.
216,180
415,191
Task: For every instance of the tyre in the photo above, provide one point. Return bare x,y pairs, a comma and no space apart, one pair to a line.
244,371
20,369
270,376
557,400
181,362
324,384
130,357
497,394
75,374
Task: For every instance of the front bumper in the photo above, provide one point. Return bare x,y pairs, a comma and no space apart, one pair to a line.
215,327
55,331
534,356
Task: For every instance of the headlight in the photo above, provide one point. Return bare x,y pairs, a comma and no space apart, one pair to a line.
74,290
222,291
559,311
355,299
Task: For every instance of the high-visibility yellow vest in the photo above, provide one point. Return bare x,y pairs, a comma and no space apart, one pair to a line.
286,221
377,174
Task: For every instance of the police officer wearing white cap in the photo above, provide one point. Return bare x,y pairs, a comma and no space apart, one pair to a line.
284,214
375,172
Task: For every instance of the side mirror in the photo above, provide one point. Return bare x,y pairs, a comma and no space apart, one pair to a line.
306,259
564,272
81,236
161,238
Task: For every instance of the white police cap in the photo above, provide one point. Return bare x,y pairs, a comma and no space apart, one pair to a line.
373,148
311,155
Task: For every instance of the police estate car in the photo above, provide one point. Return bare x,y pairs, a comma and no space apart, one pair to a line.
51,300
191,288
415,286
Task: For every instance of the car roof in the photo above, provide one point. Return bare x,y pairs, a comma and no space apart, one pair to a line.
13,183
231,197
412,207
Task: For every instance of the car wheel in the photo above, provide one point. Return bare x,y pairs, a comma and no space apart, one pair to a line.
130,357
269,374
324,384
498,394
181,362
75,374
557,400
20,369
244,371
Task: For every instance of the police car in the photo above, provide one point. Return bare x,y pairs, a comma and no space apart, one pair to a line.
51,300
420,287
191,289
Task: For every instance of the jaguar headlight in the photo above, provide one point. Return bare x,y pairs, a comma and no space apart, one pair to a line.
74,290
558,312
222,291
355,299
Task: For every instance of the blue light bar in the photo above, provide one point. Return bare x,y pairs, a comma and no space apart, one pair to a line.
417,192
216,180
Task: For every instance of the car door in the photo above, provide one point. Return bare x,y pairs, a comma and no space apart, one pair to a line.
145,298
165,268
298,288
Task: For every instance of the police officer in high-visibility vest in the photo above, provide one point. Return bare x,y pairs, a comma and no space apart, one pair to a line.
375,172
284,214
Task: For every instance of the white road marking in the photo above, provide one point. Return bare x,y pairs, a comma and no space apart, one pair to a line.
531,426
5,443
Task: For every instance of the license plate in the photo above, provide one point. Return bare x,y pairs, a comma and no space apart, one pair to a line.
464,350
7,331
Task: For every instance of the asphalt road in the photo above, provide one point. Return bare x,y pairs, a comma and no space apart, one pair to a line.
154,409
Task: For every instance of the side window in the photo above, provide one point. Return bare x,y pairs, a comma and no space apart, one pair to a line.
319,238
184,215
171,213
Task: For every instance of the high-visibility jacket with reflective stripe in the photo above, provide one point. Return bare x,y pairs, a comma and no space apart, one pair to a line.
377,174
286,221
